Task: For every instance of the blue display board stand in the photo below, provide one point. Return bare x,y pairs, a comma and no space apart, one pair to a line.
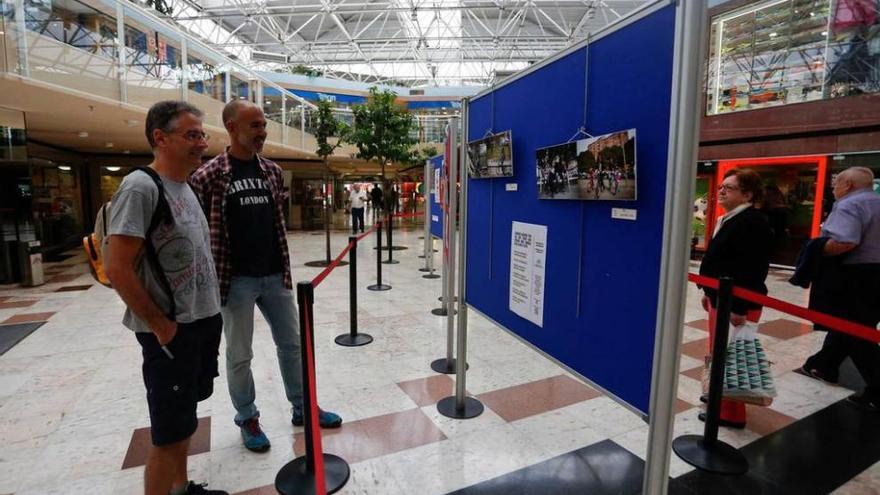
601,286
436,211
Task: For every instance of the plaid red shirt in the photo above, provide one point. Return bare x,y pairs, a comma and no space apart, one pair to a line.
210,183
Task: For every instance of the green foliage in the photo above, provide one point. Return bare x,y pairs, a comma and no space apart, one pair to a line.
326,127
418,157
305,70
586,161
382,129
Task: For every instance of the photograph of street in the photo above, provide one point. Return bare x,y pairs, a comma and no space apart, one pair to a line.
596,168
491,156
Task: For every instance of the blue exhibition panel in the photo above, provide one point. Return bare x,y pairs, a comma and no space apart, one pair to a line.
607,333
436,211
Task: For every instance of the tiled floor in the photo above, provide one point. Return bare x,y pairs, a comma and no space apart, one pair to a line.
73,414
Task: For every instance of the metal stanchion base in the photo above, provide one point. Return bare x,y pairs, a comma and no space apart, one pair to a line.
378,287
293,479
719,458
431,276
390,262
323,263
349,340
441,312
445,366
448,407
393,248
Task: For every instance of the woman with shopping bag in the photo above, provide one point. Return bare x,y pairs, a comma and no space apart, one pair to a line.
740,248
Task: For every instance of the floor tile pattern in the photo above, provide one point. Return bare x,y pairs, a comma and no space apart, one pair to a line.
78,378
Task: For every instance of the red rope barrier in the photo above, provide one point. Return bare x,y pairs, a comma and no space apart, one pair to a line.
333,264
321,276
373,229
407,215
848,327
320,482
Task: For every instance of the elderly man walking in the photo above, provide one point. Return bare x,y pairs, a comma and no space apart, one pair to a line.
853,229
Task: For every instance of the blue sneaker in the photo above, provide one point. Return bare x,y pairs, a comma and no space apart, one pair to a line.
253,437
326,419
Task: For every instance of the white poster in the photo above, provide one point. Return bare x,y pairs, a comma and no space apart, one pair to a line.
435,186
528,255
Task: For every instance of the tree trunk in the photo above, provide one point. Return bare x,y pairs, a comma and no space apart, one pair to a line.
327,208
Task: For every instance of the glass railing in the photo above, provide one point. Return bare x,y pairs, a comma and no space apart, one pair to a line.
76,44
117,50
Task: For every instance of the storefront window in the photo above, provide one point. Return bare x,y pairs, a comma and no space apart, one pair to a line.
790,51
56,203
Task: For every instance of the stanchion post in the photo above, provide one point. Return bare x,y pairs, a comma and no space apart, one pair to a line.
447,364
460,406
379,286
390,261
719,358
706,452
302,475
353,338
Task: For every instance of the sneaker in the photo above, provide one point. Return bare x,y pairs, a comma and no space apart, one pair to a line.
326,419
864,403
253,437
201,489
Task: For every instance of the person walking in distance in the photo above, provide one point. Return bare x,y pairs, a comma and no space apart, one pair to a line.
356,198
158,258
242,195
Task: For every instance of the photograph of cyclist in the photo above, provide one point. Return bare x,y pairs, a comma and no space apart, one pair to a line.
596,168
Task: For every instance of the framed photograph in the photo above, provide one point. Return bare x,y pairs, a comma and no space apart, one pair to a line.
491,156
597,168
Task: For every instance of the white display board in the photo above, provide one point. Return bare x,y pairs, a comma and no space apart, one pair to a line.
528,256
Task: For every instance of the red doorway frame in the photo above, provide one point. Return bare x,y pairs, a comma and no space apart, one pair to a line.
820,161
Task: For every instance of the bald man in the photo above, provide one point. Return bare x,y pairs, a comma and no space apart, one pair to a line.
853,229
243,196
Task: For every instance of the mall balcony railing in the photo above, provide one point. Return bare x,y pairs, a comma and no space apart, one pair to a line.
118,50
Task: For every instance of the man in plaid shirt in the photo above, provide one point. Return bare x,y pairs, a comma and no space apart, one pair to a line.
243,195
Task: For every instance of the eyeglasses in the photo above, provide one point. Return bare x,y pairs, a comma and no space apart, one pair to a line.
194,136
725,187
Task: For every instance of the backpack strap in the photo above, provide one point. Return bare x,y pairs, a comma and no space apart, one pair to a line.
162,214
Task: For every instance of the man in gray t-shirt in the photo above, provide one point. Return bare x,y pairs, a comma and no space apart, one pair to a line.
158,258
183,248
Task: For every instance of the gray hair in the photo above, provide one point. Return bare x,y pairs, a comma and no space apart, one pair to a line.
860,176
164,116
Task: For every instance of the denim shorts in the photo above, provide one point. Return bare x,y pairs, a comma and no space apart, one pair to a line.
175,386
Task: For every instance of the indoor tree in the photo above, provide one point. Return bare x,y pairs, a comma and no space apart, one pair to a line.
382,132
326,128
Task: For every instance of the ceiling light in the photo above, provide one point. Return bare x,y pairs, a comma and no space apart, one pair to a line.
812,14
131,123
113,169
824,33
65,168
126,152
773,35
108,145
82,134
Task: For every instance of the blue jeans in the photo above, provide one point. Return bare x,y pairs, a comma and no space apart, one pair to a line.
278,306
357,220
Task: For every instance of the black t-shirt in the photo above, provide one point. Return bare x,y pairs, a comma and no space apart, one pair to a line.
250,221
